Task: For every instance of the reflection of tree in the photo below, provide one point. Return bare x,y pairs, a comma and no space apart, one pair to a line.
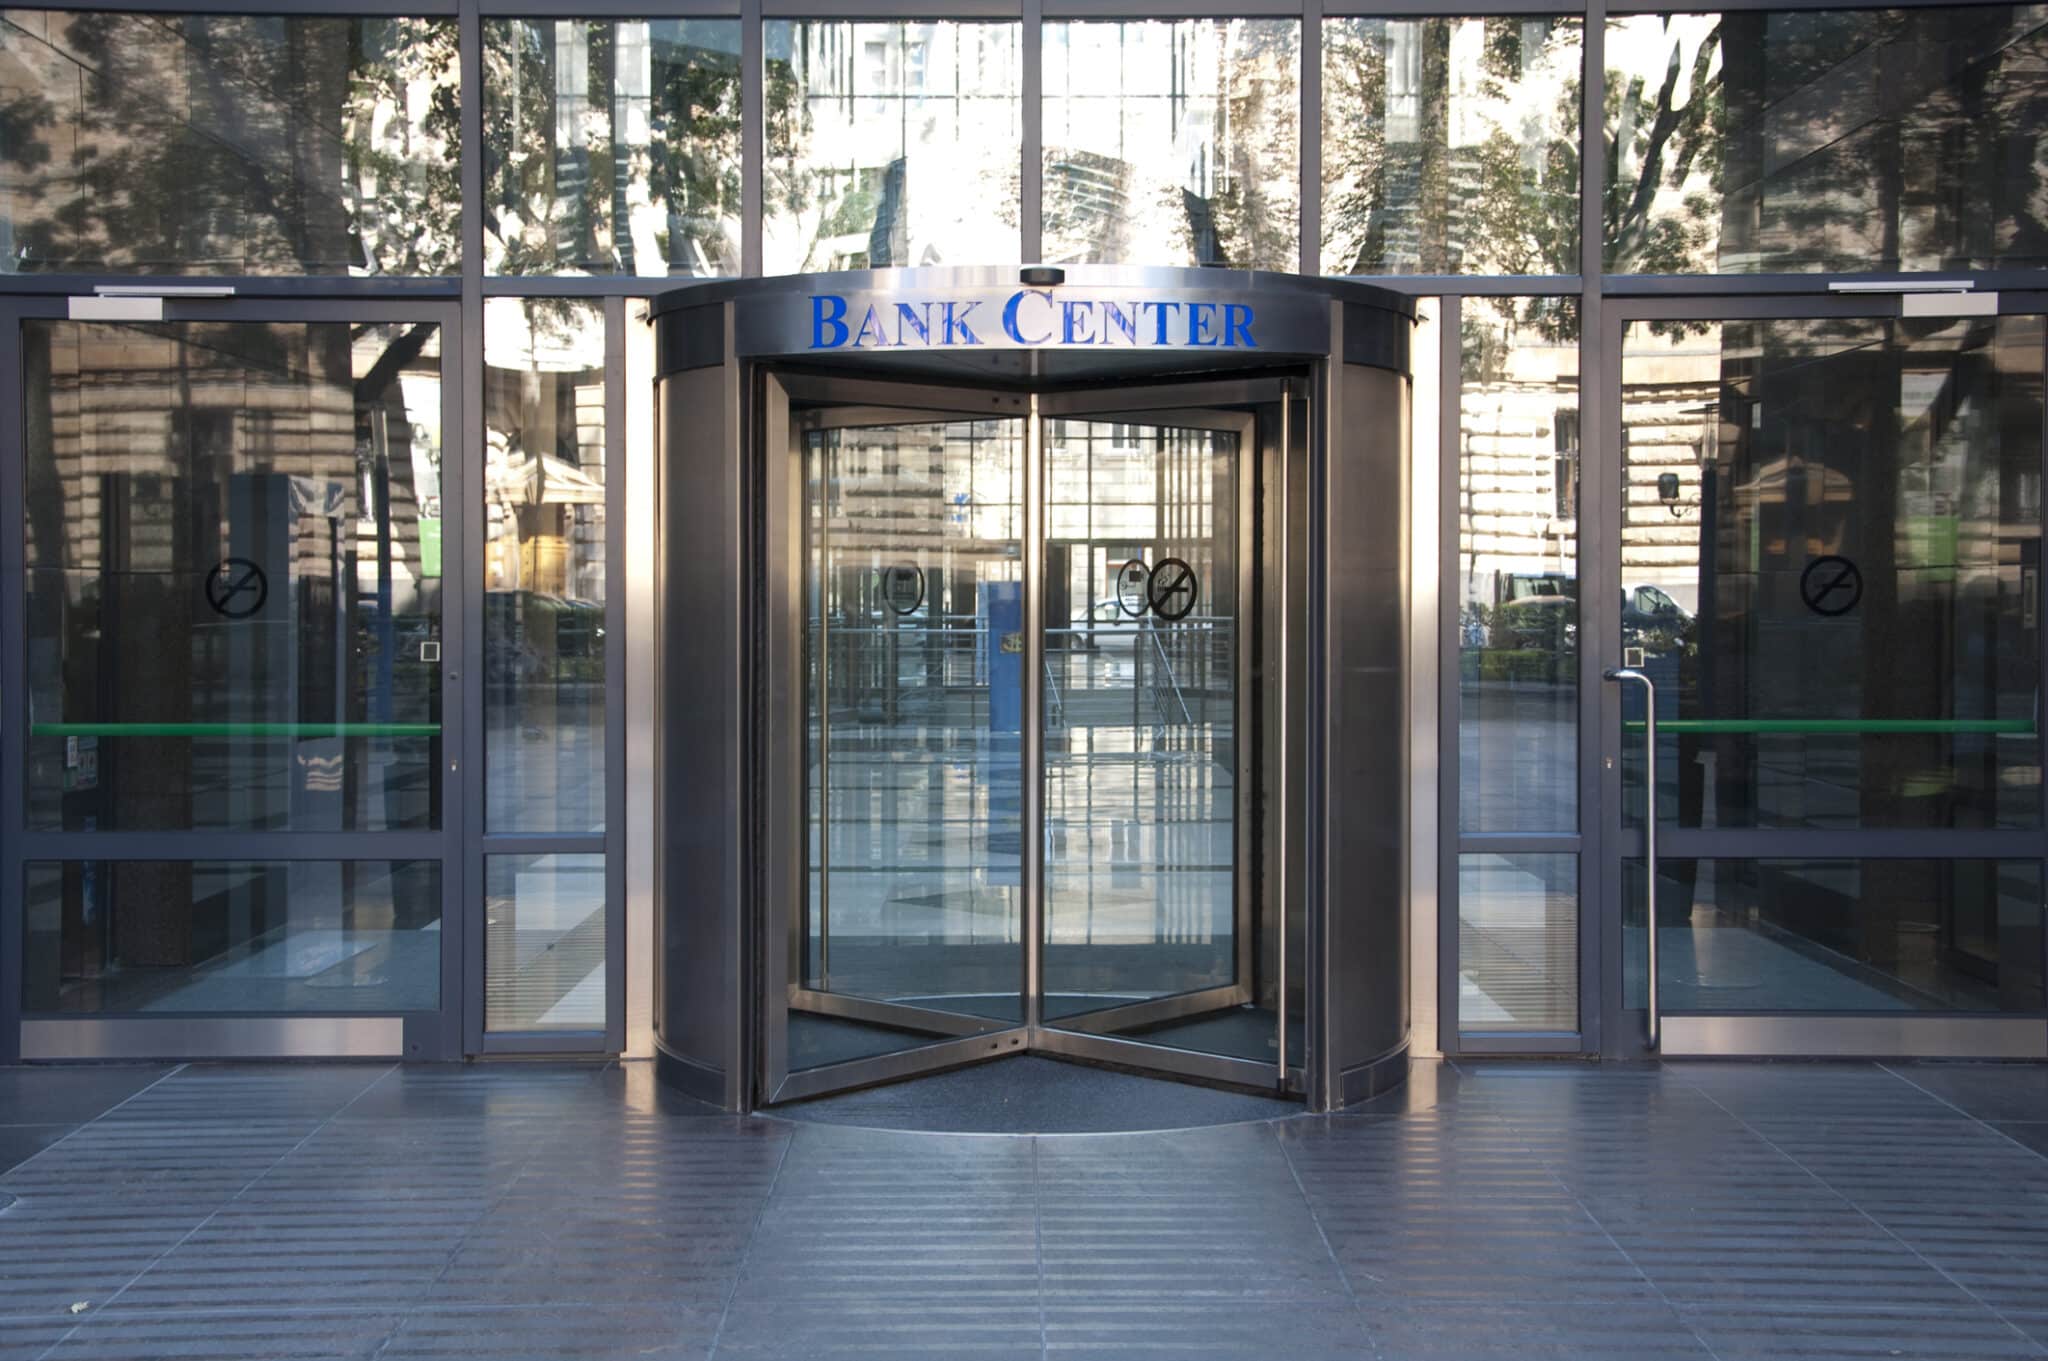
560,180
1256,208
1400,198
893,159
241,144
1852,140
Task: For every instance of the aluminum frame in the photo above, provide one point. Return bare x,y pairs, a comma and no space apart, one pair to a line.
480,842
426,1034
1781,1033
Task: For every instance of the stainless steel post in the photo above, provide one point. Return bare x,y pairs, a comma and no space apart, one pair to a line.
1649,825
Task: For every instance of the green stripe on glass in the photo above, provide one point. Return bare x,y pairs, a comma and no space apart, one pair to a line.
234,729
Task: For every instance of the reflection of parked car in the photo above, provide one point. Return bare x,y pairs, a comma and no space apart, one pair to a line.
1109,625
1646,607
1540,613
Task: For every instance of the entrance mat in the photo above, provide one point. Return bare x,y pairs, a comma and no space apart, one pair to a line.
1032,1095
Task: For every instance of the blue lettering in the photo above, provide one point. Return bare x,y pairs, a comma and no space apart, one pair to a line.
1237,327
1011,323
1201,316
871,326
1074,319
957,330
1162,312
1127,322
914,317
827,313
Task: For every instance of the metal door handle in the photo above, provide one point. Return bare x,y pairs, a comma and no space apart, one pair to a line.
1622,673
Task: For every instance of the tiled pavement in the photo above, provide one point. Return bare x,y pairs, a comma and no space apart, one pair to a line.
1733,1211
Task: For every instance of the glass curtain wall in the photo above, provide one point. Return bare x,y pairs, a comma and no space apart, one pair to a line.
890,144
277,148
546,549
1173,143
1519,623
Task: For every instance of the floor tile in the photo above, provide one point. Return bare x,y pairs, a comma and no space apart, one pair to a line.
45,1095
19,1143
1989,1091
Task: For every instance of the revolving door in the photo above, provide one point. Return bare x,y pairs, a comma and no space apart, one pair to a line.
998,700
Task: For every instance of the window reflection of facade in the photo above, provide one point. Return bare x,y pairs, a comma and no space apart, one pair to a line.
217,144
612,147
1450,146
1748,142
1173,143
891,144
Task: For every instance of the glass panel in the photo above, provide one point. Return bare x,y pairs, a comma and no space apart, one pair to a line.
1451,146
1518,565
1831,555
544,565
1518,943
544,942
1838,935
612,146
1759,141
159,937
891,144
228,144
913,637
1141,737
1174,143
234,575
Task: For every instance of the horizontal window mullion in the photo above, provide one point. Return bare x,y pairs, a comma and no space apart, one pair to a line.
1526,843
208,845
1859,843
543,843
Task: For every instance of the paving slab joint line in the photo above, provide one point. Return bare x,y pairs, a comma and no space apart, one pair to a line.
2038,1153
1358,1312
214,1213
139,1091
455,1249
1878,1224
1038,1248
739,1268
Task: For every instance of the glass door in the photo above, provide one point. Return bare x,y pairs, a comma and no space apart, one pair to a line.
1022,747
1828,536
1152,942
231,805
906,946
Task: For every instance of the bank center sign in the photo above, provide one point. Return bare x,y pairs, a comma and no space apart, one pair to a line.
1030,319
978,317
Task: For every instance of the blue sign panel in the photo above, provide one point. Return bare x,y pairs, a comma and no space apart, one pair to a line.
1005,651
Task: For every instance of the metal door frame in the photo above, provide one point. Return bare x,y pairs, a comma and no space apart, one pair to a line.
958,1039
1612,843
434,1034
